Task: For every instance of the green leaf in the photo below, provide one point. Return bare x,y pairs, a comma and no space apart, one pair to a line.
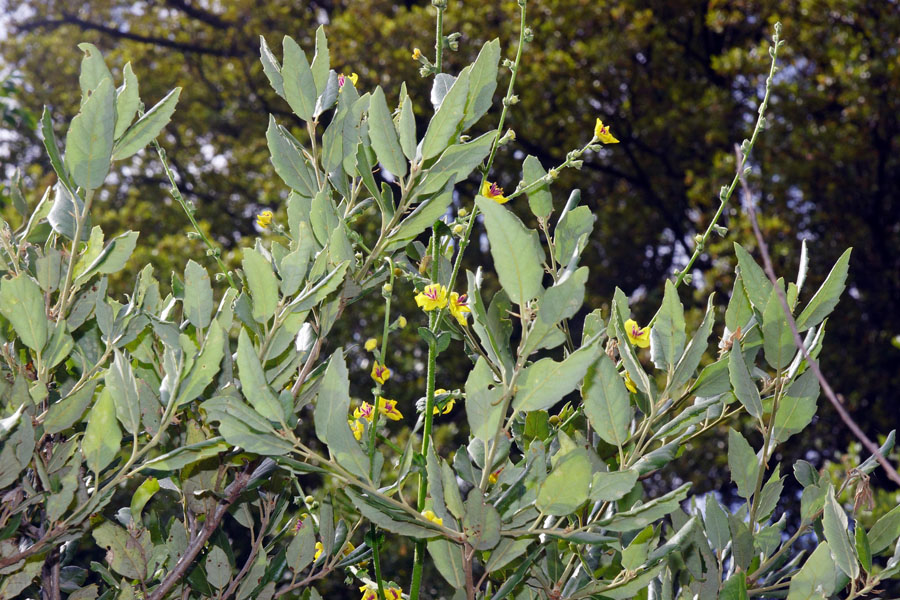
242,426
218,569
516,250
667,337
716,521
540,200
253,381
102,436
442,129
62,215
141,496
448,559
744,387
89,141
127,101
695,350
122,385
198,296
837,535
563,299
885,531
93,69
567,486
299,83
205,367
756,284
186,455
544,383
271,67
611,486
22,303
797,407
735,587
407,129
778,341
742,463
863,549
126,552
113,257
52,147
148,127
483,407
289,163
386,522
629,357
321,62
69,410
262,283
606,401
383,135
827,296
573,225
420,219
302,549
506,551
332,406
452,497
645,514
481,523
770,495
482,83
816,579
739,311
456,164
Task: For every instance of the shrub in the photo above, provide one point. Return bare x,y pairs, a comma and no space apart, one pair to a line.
136,429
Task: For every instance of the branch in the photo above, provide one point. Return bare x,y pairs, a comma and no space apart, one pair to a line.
798,341
69,19
231,494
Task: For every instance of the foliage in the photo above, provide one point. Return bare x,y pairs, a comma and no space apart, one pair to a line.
155,430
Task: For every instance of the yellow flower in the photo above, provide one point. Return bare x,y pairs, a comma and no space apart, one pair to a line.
494,192
434,296
417,54
448,406
365,411
264,219
356,427
390,593
494,476
369,593
639,336
428,514
348,548
602,133
371,344
630,384
459,307
319,550
342,79
380,372
401,321
389,409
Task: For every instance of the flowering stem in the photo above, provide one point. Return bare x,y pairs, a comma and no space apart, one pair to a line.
433,319
725,196
439,38
464,240
189,211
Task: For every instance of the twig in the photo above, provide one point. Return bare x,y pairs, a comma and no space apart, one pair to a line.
798,341
187,559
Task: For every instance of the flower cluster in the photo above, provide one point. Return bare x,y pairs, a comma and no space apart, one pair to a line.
390,593
434,297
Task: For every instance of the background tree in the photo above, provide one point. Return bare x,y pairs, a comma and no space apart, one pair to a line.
678,81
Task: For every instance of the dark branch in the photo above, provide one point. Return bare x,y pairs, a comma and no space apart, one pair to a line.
68,19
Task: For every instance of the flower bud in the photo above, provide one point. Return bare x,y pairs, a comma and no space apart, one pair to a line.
462,212
387,289
401,321
458,229
529,34
309,499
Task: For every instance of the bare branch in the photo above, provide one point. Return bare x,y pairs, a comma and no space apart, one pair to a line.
798,341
